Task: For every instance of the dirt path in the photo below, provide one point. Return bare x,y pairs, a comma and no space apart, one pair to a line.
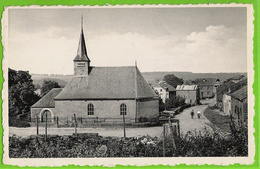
188,124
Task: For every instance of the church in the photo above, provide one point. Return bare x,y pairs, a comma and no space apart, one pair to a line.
99,92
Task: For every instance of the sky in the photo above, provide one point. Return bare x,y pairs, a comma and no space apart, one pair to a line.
201,39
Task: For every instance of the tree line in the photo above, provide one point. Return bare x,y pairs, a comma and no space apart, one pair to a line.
21,94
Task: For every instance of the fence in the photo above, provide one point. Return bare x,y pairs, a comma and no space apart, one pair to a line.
91,121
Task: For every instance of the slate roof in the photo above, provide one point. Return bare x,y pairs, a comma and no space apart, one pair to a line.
230,87
237,77
186,87
47,100
108,83
205,81
240,94
167,86
82,50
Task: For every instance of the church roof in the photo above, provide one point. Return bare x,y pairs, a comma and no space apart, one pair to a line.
82,50
47,100
108,83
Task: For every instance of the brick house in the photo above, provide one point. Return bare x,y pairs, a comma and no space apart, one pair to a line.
164,90
189,92
99,92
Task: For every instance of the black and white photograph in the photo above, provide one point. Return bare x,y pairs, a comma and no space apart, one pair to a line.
129,85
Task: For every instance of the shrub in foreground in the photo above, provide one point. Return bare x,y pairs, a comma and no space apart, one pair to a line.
192,144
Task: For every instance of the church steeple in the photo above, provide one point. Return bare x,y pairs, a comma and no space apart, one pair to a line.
81,61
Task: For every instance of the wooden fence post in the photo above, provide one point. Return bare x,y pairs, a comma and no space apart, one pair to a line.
178,127
164,140
37,125
75,124
171,129
124,123
46,123
57,122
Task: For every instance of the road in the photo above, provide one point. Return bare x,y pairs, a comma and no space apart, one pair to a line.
189,124
186,124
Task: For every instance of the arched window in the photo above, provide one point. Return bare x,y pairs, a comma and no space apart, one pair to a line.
123,109
90,109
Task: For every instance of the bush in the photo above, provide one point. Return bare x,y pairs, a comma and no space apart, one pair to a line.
15,122
192,144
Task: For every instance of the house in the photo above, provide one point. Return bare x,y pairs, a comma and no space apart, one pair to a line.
237,78
239,105
108,93
227,104
207,87
222,94
189,92
164,90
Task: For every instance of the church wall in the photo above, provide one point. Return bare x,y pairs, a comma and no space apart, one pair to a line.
148,108
102,109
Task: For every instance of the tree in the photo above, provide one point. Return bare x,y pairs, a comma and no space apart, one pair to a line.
48,85
161,105
21,94
173,80
174,102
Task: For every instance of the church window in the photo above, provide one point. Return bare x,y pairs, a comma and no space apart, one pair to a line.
90,109
123,109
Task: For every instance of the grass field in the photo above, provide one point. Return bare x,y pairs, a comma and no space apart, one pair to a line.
219,121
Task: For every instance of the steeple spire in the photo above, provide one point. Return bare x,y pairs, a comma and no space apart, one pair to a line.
82,50
81,61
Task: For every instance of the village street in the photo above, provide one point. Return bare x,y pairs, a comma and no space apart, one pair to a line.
186,124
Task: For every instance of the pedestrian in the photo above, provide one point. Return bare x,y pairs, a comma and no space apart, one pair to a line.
192,113
198,113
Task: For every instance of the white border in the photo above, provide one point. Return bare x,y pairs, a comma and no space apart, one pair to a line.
134,161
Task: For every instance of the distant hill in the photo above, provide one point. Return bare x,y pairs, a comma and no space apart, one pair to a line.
149,76
61,79
153,76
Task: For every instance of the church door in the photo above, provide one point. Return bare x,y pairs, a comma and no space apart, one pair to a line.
49,119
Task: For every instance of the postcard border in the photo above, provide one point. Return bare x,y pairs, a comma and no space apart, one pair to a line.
142,2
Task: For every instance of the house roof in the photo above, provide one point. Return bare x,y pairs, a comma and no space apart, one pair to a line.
205,81
108,83
240,94
166,86
47,100
229,87
186,87
237,77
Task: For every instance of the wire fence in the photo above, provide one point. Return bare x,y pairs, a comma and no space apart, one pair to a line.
90,121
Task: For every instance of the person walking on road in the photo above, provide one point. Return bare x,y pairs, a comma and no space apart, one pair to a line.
199,114
192,113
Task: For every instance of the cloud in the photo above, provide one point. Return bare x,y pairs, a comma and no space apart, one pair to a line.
216,49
